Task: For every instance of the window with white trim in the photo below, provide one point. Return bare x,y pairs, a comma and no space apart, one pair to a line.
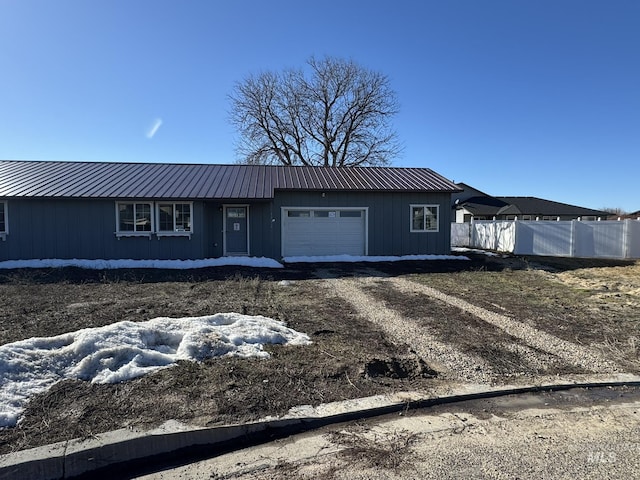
3,219
424,218
174,217
134,218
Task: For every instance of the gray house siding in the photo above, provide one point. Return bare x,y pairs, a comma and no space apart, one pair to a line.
260,228
262,231
85,228
43,228
212,229
388,219
61,228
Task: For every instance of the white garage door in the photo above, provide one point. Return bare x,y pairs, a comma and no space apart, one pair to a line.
315,231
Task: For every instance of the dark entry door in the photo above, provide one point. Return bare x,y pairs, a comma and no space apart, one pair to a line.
236,231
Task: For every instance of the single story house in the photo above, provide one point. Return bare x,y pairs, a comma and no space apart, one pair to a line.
104,210
470,203
632,216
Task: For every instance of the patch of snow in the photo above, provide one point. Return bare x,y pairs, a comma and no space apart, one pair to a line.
366,258
259,262
476,250
126,350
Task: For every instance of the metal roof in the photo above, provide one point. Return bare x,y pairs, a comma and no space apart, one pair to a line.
524,206
540,206
50,179
483,205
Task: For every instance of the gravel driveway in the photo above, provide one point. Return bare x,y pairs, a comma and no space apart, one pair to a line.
537,348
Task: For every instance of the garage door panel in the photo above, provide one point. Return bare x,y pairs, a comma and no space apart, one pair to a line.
316,229
323,232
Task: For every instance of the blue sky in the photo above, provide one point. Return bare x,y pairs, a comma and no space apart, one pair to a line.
513,97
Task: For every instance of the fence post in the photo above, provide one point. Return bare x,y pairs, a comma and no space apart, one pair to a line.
472,232
516,234
626,239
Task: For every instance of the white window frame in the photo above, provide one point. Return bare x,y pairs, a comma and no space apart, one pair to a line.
127,233
5,211
424,229
174,232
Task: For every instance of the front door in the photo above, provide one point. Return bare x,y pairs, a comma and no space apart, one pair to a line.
236,237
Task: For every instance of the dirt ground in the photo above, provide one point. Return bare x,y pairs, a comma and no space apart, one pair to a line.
590,304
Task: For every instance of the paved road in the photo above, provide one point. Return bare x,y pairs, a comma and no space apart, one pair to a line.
572,434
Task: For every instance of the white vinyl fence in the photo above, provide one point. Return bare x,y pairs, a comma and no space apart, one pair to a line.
606,239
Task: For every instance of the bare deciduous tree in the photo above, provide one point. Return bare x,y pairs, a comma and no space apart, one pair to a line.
338,115
614,210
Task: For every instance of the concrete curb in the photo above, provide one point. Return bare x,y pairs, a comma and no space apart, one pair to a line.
124,451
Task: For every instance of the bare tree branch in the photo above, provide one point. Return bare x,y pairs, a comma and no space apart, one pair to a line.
339,114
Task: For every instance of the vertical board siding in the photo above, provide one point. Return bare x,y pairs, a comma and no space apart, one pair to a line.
388,219
85,229
72,228
212,229
261,230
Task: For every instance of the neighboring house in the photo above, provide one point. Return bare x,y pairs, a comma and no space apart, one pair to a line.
632,216
474,204
97,210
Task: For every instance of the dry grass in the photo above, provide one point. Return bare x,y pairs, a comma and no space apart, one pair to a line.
626,352
222,390
350,357
389,451
556,303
